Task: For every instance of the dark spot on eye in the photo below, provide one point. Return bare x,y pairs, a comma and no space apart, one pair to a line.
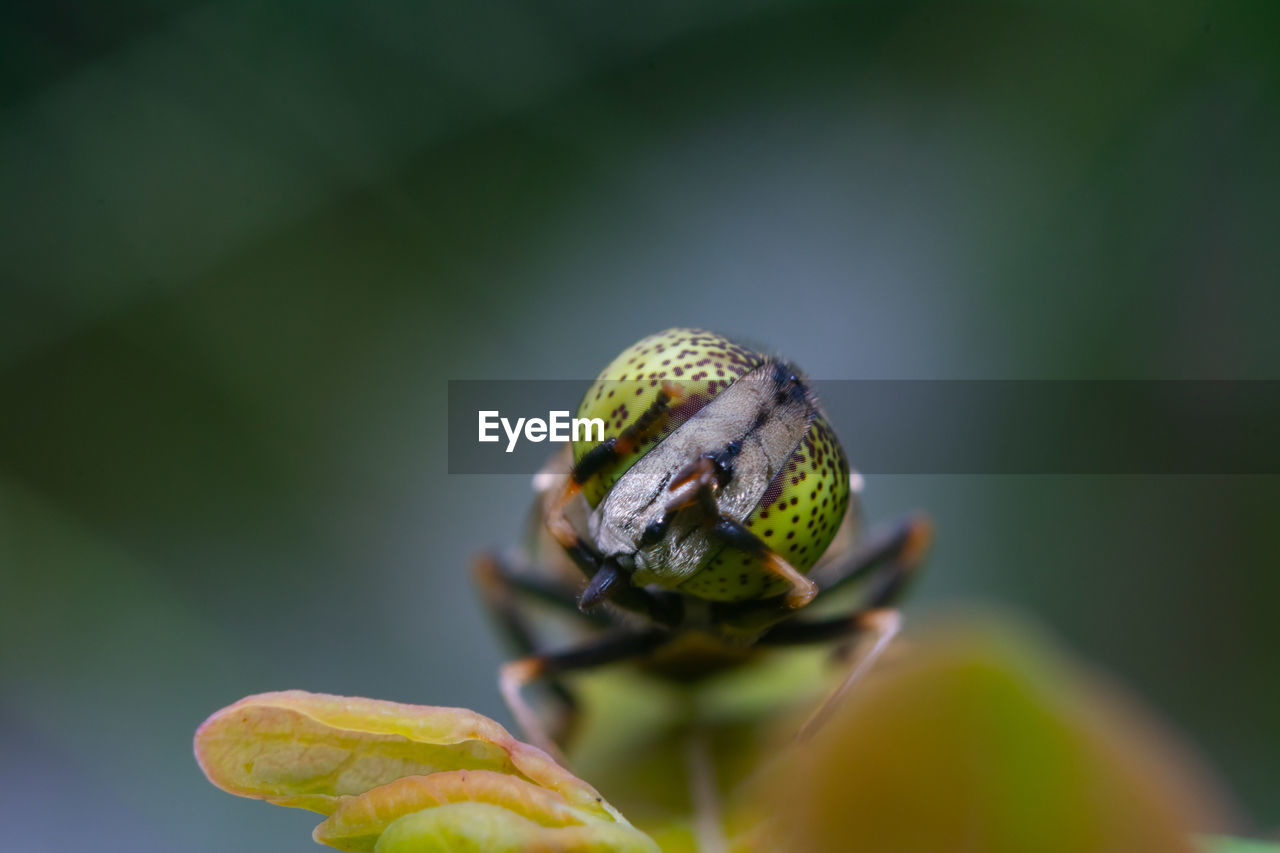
795,519
768,533
791,534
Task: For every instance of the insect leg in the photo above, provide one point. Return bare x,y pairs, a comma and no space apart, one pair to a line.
608,580
604,455
897,553
736,535
505,594
696,485
877,621
877,627
881,625
597,651
897,568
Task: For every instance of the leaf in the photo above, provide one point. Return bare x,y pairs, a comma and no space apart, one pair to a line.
369,764
980,739
485,828
358,821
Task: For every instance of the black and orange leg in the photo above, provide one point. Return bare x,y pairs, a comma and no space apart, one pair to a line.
605,579
893,557
597,651
891,560
696,486
605,455
872,629
506,594
737,535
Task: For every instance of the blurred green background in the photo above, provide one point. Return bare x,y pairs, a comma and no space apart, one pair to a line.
244,245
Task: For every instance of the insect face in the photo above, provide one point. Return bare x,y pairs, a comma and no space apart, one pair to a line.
654,516
726,465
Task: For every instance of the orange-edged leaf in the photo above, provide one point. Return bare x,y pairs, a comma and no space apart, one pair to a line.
307,750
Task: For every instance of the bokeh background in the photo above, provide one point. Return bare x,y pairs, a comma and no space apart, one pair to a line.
244,245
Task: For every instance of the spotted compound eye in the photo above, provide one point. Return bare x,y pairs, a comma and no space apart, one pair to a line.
803,506
703,363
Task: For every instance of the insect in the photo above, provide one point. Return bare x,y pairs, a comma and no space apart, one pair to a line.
699,530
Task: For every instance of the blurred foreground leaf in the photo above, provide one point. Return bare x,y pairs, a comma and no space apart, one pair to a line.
395,777
981,739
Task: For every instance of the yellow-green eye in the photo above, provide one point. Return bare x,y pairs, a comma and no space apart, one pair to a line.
701,362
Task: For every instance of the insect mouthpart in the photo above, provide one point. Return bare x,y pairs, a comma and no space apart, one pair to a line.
610,575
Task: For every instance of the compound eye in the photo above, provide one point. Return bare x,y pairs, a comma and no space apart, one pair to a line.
701,363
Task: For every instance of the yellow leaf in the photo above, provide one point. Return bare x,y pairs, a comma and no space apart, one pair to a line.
357,822
485,828
371,764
